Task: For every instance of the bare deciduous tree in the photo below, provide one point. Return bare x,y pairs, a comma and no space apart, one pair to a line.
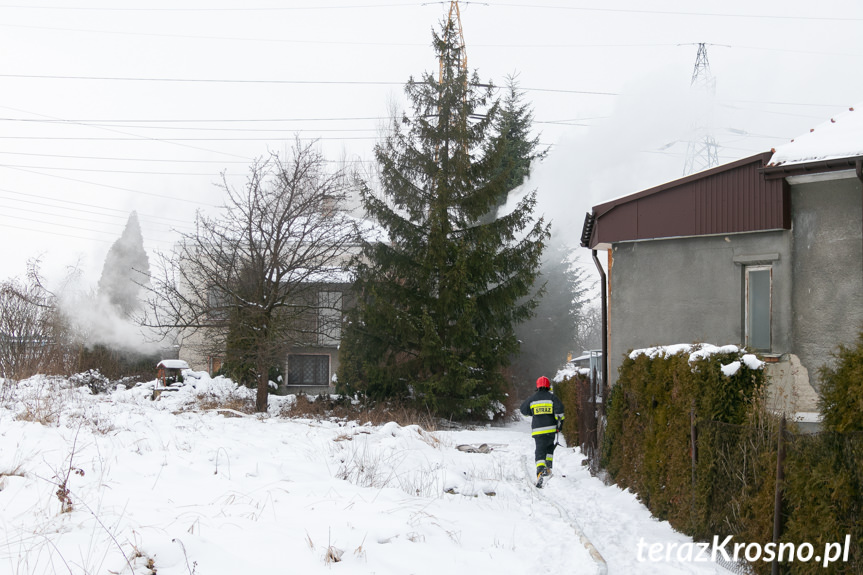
248,278
33,334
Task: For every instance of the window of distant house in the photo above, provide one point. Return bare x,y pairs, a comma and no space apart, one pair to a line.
758,307
215,364
329,317
217,304
308,369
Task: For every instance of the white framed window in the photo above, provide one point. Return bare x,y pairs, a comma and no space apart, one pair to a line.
759,307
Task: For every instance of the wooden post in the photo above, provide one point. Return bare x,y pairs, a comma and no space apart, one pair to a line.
694,456
777,503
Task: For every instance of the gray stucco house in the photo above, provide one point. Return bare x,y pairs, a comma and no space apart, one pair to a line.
765,252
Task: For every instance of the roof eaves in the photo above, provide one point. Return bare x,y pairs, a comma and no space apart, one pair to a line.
810,167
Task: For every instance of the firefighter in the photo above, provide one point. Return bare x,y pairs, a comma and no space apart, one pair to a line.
546,410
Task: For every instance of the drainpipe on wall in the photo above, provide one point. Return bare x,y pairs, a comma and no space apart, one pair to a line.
600,428
604,293
858,165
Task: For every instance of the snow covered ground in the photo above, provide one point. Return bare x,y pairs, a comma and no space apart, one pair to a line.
122,484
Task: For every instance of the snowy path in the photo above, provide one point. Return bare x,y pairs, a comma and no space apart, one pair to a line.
613,520
154,487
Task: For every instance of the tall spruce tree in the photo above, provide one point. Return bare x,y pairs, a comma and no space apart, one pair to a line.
438,302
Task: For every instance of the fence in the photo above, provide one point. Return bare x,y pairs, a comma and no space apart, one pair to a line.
764,482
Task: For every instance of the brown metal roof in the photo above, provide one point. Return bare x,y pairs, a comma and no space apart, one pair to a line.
732,198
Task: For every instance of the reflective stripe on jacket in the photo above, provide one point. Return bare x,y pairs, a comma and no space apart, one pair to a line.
546,410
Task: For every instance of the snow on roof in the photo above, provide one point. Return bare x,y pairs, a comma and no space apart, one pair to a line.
838,137
173,364
370,231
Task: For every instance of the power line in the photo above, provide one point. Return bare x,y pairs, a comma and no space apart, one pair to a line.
104,171
137,137
119,122
169,140
318,41
191,121
173,198
729,106
200,129
90,229
5,225
253,81
161,160
785,103
244,9
682,13
65,216
420,4
126,159
147,221
204,80
101,207
221,38
100,240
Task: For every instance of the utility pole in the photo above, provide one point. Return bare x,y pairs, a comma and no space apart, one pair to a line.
456,23
454,20
701,150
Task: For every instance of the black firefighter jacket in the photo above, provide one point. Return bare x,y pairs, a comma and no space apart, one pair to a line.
546,409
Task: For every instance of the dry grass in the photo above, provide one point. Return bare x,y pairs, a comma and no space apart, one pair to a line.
361,551
17,471
246,406
333,555
44,408
324,407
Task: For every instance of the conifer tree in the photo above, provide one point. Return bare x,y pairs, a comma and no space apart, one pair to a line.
513,126
438,301
126,267
559,320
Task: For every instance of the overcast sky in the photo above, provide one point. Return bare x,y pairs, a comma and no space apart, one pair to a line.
109,106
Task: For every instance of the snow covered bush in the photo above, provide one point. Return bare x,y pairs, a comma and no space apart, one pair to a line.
93,379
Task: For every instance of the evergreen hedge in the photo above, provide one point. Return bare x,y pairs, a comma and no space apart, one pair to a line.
646,448
842,389
647,439
567,390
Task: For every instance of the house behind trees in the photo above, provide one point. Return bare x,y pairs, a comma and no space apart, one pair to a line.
765,252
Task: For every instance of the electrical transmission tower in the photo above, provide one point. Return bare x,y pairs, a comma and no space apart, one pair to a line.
701,150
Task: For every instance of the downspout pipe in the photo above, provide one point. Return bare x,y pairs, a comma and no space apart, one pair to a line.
858,168
604,299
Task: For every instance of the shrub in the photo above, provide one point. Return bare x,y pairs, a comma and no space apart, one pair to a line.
824,496
567,391
647,447
842,390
